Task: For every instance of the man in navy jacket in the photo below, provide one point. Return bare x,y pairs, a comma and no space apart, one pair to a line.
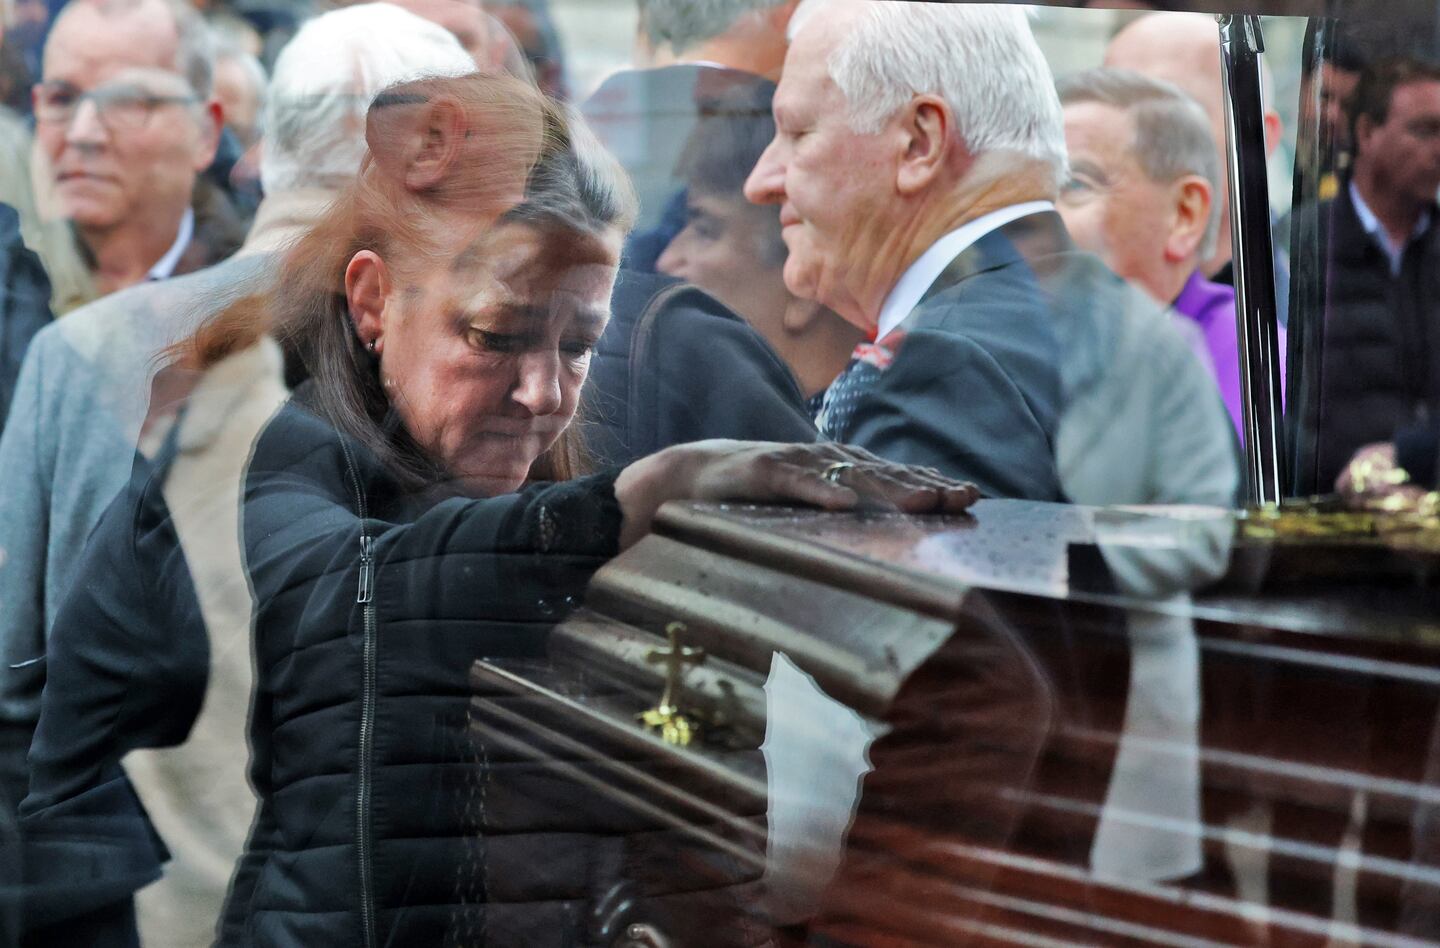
926,218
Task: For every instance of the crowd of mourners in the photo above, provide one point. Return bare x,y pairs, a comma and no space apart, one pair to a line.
339,344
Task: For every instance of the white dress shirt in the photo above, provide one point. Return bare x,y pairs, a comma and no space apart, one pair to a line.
916,281
165,267
1375,229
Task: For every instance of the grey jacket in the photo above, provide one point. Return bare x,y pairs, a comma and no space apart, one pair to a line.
1143,421
69,448
79,407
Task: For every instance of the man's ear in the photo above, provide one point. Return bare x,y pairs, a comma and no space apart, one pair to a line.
1191,199
926,126
1274,130
367,288
212,121
442,133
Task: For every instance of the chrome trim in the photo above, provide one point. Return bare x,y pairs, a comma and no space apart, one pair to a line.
1241,44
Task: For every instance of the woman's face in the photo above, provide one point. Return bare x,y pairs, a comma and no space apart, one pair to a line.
483,356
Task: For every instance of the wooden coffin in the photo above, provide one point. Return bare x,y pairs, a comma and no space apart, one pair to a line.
1033,724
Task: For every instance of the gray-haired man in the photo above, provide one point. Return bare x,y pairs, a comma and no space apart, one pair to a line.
913,184
125,119
1144,195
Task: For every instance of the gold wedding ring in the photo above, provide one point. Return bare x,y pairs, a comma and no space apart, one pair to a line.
832,473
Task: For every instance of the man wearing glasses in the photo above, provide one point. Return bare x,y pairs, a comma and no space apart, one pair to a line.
125,120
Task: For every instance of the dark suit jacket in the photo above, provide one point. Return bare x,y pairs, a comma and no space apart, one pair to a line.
219,230
972,383
1380,349
24,304
674,366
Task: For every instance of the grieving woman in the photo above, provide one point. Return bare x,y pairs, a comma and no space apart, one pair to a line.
419,503
422,502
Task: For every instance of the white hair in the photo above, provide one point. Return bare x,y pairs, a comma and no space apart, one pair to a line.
981,59
229,51
324,80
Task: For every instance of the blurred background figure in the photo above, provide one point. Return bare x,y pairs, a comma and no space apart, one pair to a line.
52,239
261,27
733,250
240,86
1143,195
532,26
748,35
95,406
686,53
1325,92
1381,347
24,306
1184,49
125,123
22,37
670,349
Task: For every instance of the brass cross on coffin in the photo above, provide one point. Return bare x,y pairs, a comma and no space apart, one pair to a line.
665,719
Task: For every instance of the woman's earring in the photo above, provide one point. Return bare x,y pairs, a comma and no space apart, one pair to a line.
372,345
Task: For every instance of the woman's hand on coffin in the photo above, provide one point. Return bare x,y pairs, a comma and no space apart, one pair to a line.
825,475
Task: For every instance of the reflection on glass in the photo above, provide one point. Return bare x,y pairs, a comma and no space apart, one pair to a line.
418,526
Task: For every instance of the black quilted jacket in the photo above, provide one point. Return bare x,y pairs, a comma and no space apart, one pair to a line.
384,820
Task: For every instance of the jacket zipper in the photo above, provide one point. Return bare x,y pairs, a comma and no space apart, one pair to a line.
365,598
367,740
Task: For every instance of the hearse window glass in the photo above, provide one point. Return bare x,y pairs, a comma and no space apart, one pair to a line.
418,702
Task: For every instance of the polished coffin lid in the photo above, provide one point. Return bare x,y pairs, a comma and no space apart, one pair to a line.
866,602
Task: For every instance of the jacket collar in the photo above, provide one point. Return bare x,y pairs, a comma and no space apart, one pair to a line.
1350,241
1035,240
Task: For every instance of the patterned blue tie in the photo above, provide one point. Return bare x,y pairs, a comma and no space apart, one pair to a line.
867,363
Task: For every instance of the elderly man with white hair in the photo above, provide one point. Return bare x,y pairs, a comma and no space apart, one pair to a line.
89,396
917,157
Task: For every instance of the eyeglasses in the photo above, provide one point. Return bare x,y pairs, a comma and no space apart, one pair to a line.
120,107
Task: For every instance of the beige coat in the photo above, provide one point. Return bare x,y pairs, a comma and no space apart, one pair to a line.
198,794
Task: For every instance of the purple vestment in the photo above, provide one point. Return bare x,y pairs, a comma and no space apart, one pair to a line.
1211,306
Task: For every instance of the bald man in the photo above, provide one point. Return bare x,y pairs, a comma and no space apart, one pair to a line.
1184,49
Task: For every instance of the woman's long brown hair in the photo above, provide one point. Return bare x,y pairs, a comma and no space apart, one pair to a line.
448,159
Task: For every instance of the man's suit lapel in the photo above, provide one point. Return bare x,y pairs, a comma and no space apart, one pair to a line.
1036,240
